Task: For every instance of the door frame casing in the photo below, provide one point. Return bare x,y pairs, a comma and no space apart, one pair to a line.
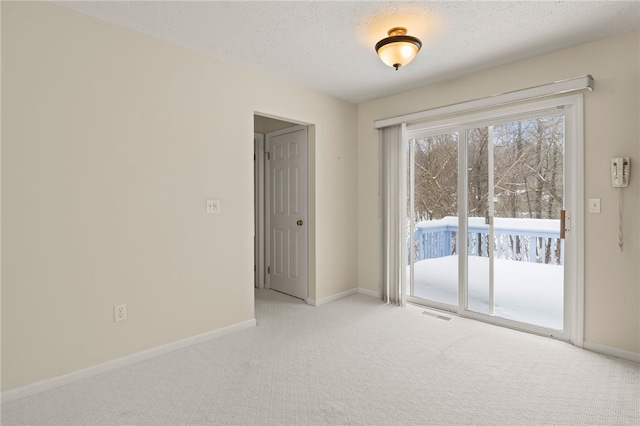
259,198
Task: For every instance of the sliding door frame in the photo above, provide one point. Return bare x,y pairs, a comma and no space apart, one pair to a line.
572,106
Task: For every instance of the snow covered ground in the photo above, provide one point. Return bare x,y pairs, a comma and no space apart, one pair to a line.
526,292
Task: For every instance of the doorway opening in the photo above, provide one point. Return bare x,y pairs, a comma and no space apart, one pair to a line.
281,238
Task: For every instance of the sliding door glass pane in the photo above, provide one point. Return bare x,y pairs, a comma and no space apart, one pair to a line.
435,209
515,195
528,198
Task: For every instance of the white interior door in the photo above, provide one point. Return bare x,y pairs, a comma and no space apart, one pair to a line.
287,210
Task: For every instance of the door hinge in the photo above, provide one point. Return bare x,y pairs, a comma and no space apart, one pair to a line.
268,269
268,155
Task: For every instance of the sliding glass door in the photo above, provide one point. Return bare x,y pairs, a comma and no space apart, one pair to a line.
485,208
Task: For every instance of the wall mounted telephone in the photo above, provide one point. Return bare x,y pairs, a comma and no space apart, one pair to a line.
620,173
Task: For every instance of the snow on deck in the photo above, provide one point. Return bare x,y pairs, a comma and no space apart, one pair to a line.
525,292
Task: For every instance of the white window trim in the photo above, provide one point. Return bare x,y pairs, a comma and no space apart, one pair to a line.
543,91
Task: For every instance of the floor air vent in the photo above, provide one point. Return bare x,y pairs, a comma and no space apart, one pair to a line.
438,316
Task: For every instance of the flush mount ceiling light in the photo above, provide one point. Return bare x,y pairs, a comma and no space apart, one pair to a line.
399,48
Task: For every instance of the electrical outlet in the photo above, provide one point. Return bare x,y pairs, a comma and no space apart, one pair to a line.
119,313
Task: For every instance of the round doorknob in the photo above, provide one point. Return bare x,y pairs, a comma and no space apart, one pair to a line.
299,222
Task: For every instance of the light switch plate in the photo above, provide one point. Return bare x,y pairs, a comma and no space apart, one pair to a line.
594,205
213,206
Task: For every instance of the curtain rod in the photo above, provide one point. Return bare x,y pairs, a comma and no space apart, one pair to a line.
555,88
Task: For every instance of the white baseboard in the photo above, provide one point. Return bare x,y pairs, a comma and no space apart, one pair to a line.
368,292
331,298
610,350
357,290
75,376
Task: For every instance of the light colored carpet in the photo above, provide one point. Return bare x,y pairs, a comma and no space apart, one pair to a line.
355,361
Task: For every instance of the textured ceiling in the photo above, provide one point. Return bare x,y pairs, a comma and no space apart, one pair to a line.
328,45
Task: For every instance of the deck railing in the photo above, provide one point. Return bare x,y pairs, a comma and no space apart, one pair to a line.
524,240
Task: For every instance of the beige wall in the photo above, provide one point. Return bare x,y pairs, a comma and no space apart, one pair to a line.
612,113
111,142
